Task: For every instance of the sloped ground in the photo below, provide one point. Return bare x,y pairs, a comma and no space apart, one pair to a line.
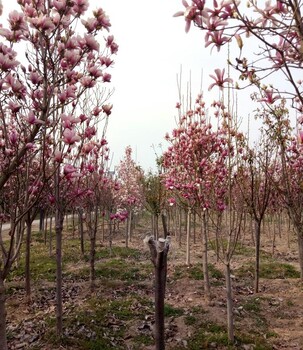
119,314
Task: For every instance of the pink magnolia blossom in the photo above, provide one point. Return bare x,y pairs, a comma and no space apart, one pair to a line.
14,107
91,43
216,38
69,121
83,118
80,6
70,137
219,79
87,148
102,19
43,23
17,87
7,63
106,78
90,24
59,5
96,111
190,14
58,156
103,142
171,202
95,71
87,82
106,61
13,137
269,97
32,119
90,131
69,170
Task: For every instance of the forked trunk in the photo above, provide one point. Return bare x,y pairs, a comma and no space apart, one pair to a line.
3,340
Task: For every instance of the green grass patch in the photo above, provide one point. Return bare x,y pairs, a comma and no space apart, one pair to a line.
211,335
142,339
190,320
42,266
270,270
170,311
196,272
253,305
119,252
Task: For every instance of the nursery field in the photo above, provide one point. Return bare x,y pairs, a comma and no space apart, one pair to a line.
119,314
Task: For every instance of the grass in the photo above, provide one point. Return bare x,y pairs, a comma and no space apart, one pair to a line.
270,270
253,305
196,272
209,335
170,311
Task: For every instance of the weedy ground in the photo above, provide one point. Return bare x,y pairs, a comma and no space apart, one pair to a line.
119,314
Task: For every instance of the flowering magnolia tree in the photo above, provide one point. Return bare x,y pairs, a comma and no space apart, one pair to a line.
199,165
40,98
130,195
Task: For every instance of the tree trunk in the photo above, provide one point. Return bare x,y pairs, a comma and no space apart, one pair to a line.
92,274
51,235
41,221
257,254
229,301
180,227
59,306
27,257
129,226
194,225
188,237
164,224
205,256
110,236
45,227
73,223
81,233
126,232
159,251
3,340
300,245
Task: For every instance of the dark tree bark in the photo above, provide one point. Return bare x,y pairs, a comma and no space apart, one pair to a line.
3,340
81,233
159,250
164,224
59,303
257,254
27,257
